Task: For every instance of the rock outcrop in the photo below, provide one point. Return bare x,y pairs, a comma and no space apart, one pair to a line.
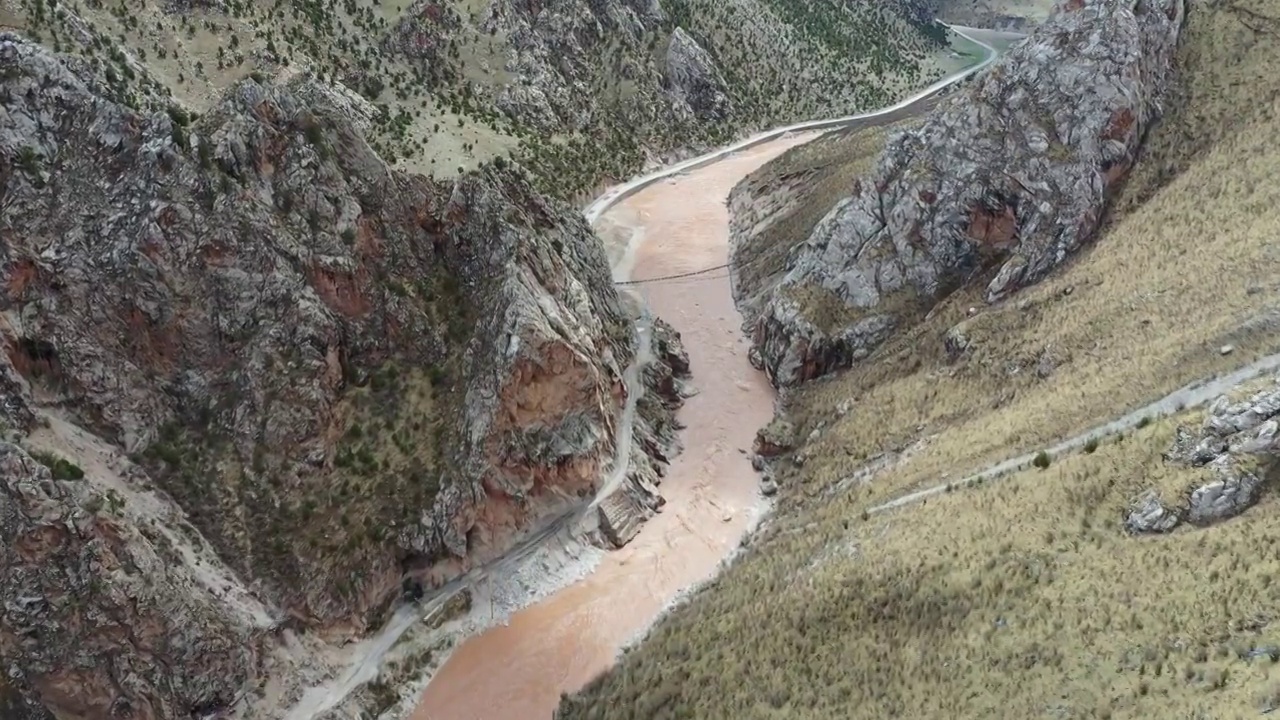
693,78
1149,514
97,621
336,371
1011,176
1234,443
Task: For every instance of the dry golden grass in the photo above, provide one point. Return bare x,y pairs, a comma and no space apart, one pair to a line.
1023,597
1186,266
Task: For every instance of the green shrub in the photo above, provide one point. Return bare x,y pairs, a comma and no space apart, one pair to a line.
60,467
1042,460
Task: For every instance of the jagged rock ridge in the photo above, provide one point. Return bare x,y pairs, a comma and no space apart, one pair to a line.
1013,173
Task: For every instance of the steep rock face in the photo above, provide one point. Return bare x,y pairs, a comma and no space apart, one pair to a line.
96,623
1014,172
693,77
336,370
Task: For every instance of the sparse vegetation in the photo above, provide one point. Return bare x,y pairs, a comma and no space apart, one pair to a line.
385,472
434,73
60,467
1022,596
1042,460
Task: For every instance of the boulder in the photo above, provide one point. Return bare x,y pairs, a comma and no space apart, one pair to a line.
1232,492
1148,514
776,438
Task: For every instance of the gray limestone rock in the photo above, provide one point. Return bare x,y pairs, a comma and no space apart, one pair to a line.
1233,432
1232,492
956,341
1148,514
1011,174
693,78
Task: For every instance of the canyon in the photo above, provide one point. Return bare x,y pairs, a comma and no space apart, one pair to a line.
1004,485
275,376
299,420
710,489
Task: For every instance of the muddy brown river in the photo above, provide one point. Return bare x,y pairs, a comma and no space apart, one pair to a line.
518,671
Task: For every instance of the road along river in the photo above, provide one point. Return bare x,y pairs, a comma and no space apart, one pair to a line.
674,221
520,669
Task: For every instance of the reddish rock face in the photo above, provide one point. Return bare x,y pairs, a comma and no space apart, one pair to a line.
1120,125
334,370
88,586
993,229
341,291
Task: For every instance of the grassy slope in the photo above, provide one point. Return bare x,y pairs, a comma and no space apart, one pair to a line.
433,117
1022,598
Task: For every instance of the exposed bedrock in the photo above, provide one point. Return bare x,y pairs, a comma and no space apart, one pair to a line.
1001,182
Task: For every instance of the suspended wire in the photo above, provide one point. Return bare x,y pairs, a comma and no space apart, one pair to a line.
679,281
678,276
700,274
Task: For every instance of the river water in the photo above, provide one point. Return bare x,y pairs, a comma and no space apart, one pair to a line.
518,671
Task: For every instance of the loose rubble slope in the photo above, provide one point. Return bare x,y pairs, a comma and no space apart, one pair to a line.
1012,173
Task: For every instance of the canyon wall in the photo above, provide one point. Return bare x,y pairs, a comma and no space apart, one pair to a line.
251,374
1001,182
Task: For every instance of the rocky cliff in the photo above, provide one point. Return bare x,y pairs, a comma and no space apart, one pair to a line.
82,584
258,374
1003,181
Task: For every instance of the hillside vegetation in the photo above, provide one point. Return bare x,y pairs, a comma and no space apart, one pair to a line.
1022,597
579,92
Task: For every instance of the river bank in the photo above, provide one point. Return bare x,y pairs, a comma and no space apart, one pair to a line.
654,226
711,489
549,560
